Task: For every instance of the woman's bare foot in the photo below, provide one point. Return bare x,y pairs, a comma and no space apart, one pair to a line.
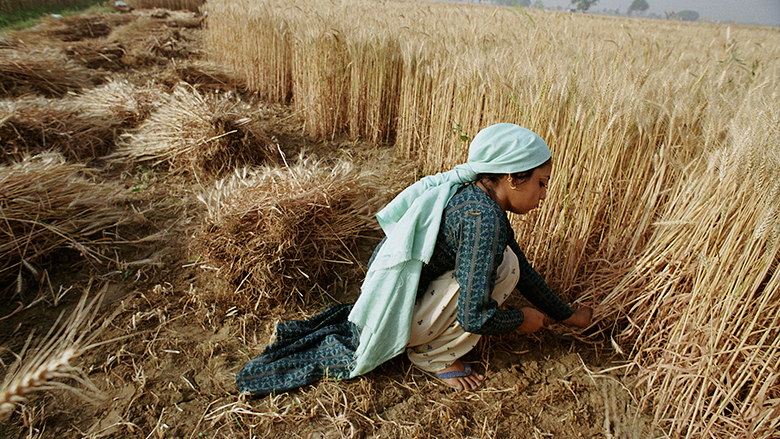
460,376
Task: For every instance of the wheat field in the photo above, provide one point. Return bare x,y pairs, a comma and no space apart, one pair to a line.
662,212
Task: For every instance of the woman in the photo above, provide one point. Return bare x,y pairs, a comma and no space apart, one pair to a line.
435,283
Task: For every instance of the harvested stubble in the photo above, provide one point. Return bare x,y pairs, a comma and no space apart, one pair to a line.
202,133
30,126
277,234
47,204
49,364
47,72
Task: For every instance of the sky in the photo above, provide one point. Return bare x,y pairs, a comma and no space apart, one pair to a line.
763,12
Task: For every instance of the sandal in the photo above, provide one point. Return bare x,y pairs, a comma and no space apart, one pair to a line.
455,373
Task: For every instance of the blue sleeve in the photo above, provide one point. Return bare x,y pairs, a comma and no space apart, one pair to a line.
533,287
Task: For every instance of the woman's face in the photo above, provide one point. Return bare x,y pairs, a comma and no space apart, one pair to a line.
523,197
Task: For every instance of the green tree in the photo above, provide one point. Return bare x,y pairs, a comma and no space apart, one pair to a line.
687,15
523,3
584,5
638,6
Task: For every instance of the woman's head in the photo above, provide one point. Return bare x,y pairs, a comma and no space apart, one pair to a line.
507,148
519,192
513,165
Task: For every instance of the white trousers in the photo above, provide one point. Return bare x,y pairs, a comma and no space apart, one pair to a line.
437,339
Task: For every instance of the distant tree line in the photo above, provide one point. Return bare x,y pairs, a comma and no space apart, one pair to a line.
637,7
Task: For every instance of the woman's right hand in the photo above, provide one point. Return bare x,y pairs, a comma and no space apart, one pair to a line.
533,320
581,317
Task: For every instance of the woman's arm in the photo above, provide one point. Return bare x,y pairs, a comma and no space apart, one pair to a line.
536,290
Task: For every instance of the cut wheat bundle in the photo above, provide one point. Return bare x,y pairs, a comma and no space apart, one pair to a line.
81,26
123,104
49,364
47,204
280,233
47,72
33,125
184,5
149,41
201,133
205,76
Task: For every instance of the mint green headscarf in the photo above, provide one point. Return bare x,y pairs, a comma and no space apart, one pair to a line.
411,222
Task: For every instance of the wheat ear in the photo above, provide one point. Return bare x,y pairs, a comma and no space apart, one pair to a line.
51,359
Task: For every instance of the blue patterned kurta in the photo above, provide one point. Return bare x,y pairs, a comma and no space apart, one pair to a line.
471,241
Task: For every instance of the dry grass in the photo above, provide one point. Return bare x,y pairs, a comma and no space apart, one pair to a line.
10,6
201,133
47,72
280,234
72,53
205,76
149,41
79,27
637,113
175,5
46,205
31,126
121,102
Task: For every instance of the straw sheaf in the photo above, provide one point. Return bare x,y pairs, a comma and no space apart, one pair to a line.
47,72
121,102
48,204
187,5
149,41
207,134
273,232
82,27
30,126
205,76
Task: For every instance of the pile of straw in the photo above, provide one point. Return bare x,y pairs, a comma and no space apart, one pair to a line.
205,76
30,126
277,233
47,204
150,41
124,104
207,134
97,55
81,27
184,5
47,72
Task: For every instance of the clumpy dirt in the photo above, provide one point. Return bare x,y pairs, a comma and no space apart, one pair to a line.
174,338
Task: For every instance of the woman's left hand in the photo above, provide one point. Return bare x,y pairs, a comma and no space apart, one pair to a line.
580,318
